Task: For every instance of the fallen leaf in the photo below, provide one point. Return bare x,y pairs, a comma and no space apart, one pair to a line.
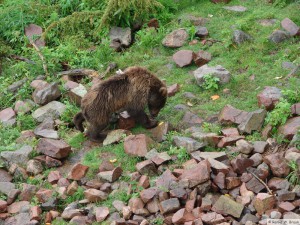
189,104
215,97
277,78
160,123
113,160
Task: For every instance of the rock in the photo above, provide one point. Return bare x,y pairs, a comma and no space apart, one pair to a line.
264,202
115,136
51,162
24,106
153,206
278,36
34,167
125,122
165,180
239,37
54,176
295,109
144,182
183,58
257,159
110,176
38,84
244,147
212,218
169,206
201,32
269,97
231,115
118,205
52,110
16,207
253,121
217,71
160,158
8,117
278,164
175,39
5,176
43,195
20,156
28,192
46,94
232,182
218,166
135,204
291,215
284,195
33,30
201,58
54,148
78,220
3,206
260,146
101,213
254,185
35,213
72,188
286,207
19,219
275,215
227,141
290,128
137,145
249,217
225,205
146,167
173,89
123,36
290,27
189,144
159,132
94,195
267,22
77,93
292,156
235,8
197,21
126,212
190,119
16,85
194,177
231,131
219,180
46,129
148,194
70,85
70,213
78,171
219,156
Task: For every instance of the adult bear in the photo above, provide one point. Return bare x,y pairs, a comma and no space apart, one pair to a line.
130,91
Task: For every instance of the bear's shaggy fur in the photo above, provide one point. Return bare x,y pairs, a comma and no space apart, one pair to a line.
131,91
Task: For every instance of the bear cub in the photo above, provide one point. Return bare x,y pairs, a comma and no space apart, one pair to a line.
130,91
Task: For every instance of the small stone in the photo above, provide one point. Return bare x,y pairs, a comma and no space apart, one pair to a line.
5,176
269,97
226,205
253,121
219,180
173,89
232,182
260,146
189,144
290,128
295,109
35,213
43,195
267,22
160,131
235,8
230,115
244,147
264,202
23,106
160,158
52,110
28,192
276,183
147,194
175,39
278,36
16,207
218,166
190,119
126,211
135,204
121,35
227,141
201,32
51,162
183,58
249,217
111,176
169,205
101,213
8,117
54,148
78,171
290,27
46,94
46,129
77,93
286,207
72,188
19,157
34,167
239,37
146,167
165,180
70,85
3,206
257,159
278,164
144,182
137,145
212,218
54,176
153,206
201,58
94,195
231,131
254,185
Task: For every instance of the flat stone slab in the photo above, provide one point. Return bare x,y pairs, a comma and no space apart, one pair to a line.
236,8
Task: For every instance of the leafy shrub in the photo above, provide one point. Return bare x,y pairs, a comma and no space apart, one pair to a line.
210,82
294,176
280,114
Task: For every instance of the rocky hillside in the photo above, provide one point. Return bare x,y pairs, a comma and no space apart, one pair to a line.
227,147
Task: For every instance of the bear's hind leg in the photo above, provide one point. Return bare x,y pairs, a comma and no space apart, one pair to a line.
142,118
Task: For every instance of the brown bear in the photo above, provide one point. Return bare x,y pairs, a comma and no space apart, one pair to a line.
130,91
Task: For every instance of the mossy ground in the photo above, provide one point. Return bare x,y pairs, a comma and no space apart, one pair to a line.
258,58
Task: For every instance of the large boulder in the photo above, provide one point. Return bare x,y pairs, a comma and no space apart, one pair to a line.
216,71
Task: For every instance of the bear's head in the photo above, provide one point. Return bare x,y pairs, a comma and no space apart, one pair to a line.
157,100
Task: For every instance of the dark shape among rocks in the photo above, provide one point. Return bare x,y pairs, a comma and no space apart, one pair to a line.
239,37
278,36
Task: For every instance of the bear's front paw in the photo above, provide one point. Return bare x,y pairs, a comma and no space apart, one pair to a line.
151,124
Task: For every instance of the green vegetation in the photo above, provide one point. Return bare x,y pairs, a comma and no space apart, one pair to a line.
210,82
280,114
294,176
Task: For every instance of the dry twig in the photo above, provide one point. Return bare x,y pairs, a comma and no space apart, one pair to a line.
262,182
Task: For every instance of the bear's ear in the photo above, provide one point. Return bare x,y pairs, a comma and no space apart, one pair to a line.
163,91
